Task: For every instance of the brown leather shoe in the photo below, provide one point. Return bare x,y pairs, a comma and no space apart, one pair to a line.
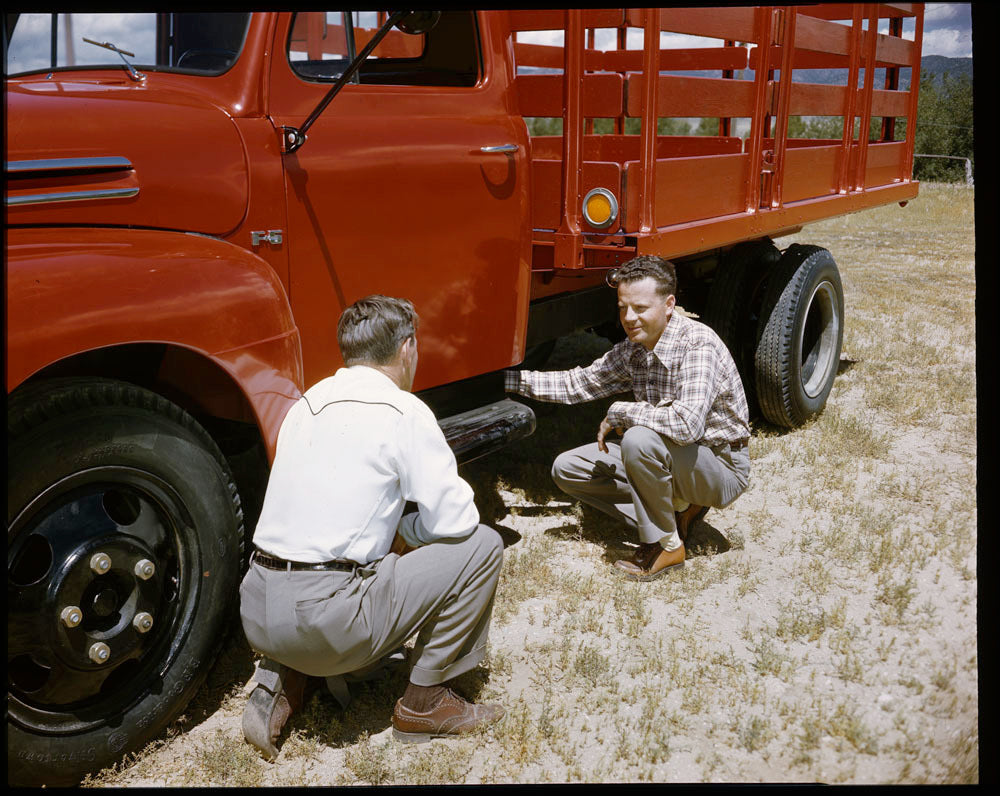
451,716
687,518
653,564
279,693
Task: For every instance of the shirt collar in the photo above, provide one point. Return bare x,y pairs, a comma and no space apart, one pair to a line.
672,333
363,374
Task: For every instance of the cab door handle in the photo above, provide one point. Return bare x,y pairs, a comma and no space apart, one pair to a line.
500,148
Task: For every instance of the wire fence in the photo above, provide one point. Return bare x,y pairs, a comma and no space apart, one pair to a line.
968,165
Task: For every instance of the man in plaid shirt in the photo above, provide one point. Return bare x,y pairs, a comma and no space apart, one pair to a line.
683,439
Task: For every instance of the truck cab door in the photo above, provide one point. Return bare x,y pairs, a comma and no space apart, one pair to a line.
413,183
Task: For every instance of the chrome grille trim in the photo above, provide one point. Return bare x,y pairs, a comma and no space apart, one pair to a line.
28,167
71,196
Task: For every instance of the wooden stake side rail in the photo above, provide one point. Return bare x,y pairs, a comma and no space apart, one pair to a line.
683,194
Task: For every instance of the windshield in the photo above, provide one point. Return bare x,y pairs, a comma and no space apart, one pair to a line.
204,44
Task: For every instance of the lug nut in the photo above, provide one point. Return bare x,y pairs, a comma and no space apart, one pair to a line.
142,622
71,616
144,569
100,652
100,563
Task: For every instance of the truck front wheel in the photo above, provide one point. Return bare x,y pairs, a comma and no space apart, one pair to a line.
801,329
124,549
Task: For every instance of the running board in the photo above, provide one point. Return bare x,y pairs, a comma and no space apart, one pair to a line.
487,429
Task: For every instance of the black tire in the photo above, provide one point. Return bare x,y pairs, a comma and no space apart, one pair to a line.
801,330
100,466
734,301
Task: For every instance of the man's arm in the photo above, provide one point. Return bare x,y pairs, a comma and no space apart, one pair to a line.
429,476
606,376
683,419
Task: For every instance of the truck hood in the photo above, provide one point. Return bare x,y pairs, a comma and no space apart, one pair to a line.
106,151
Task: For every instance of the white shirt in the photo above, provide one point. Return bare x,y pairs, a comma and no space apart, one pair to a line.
350,453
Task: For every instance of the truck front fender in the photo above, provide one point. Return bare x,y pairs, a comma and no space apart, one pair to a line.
75,290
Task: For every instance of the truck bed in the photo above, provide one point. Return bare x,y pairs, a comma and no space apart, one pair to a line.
680,195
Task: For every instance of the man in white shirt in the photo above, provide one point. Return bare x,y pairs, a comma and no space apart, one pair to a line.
340,579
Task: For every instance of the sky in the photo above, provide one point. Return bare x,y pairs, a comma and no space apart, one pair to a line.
948,29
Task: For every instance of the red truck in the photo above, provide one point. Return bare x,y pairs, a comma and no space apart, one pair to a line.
192,198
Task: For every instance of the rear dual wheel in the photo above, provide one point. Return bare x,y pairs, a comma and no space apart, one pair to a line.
782,317
801,331
124,548
734,302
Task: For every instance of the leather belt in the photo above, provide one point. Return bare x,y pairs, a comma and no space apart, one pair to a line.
736,446
283,565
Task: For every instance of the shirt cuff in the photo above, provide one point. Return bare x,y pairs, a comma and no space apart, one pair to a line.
618,414
512,381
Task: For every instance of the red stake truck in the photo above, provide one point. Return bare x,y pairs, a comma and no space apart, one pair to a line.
192,199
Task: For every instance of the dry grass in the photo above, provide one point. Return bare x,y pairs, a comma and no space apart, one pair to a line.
824,629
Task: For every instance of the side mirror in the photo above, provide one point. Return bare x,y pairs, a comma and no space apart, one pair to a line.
417,22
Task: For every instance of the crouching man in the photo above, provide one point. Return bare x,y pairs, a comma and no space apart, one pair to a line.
684,437
339,578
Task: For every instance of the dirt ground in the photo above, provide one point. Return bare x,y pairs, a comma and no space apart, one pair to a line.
824,629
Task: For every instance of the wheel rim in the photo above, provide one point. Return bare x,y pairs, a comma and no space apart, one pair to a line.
115,543
818,339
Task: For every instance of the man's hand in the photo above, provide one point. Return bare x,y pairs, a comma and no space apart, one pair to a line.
605,429
399,547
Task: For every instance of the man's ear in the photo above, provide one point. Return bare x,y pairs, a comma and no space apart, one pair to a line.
406,347
671,301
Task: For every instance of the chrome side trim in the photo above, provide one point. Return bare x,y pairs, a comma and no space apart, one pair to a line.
71,196
66,164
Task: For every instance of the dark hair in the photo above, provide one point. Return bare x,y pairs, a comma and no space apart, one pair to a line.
372,329
647,265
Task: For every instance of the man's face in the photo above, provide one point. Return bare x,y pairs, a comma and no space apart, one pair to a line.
643,312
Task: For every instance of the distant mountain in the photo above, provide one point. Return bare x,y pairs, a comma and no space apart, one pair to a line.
936,65
939,65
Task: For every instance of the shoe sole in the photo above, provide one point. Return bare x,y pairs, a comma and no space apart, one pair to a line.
424,737
255,722
652,576
416,737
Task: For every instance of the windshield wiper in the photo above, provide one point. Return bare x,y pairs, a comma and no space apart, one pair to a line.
409,22
132,73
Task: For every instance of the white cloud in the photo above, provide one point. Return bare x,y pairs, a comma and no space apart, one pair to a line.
939,12
948,42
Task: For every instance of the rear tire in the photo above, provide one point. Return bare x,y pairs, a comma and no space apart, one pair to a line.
734,301
99,467
801,331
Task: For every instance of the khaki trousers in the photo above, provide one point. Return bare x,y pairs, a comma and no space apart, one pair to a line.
334,623
638,480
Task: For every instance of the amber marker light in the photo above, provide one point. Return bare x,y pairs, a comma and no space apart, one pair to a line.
600,208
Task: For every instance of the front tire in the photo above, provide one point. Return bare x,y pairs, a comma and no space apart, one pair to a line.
120,506
801,330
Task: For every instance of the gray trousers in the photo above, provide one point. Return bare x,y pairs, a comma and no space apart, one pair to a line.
639,480
333,623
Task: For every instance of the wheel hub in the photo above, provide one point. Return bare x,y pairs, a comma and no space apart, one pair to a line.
108,601
93,573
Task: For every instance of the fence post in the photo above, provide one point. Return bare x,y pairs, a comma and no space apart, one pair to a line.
968,164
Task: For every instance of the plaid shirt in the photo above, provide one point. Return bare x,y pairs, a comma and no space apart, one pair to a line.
687,388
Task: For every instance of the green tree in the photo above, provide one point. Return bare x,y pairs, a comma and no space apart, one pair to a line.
944,127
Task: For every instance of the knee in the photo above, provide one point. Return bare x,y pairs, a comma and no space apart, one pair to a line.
490,544
640,441
562,468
